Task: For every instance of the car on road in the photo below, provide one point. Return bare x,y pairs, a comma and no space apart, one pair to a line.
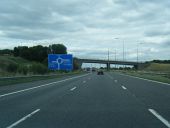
93,69
100,72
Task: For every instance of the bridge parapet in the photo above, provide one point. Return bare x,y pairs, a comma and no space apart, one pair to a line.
135,64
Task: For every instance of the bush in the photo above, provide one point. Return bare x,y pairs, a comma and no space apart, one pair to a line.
38,68
12,67
23,69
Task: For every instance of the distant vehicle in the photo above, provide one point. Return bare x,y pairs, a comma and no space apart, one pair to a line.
87,69
100,72
93,70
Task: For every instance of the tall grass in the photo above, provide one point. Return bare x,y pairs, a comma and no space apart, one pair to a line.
158,67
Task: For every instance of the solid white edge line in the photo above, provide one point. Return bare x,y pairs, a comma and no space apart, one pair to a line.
145,79
42,85
22,119
124,87
73,88
163,120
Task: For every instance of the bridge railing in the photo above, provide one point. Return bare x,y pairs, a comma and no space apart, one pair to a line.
118,60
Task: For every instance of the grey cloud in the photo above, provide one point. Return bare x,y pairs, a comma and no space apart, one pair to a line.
89,24
33,17
27,35
157,33
166,44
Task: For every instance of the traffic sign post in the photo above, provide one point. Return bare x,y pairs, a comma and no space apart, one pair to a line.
60,62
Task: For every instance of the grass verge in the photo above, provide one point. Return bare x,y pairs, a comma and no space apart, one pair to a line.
17,80
160,77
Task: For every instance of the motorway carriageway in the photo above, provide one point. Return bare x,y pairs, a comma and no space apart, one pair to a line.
111,100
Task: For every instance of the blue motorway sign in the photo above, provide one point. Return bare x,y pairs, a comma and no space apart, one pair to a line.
60,61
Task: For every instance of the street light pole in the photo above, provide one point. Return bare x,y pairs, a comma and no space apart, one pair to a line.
108,60
123,48
123,51
115,52
137,59
115,57
137,53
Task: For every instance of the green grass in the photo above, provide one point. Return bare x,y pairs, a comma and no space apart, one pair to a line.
165,78
6,60
12,59
11,81
154,71
156,67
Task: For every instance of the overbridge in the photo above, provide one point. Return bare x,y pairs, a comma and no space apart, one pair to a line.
137,65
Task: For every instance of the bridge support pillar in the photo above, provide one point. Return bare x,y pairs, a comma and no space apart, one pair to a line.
136,67
79,65
140,66
108,66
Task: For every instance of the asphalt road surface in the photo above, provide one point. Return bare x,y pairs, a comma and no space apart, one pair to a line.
111,100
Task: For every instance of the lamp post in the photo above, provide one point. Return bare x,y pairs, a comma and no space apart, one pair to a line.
137,52
123,49
115,58
108,65
115,52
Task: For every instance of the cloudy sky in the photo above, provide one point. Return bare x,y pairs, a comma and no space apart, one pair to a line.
89,27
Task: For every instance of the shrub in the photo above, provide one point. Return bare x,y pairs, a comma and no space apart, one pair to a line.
12,67
23,69
37,68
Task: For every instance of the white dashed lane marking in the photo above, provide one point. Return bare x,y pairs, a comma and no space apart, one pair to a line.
162,119
73,88
124,87
40,86
115,81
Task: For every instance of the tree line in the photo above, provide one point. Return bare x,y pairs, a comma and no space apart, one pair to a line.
37,53
161,61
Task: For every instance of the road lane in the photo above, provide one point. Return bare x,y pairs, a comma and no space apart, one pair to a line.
151,93
13,107
102,103
40,86
154,95
13,88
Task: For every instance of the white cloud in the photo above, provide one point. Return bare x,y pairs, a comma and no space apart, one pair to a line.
88,28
